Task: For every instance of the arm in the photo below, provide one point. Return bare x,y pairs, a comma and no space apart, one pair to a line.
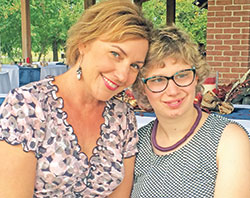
124,189
233,160
17,172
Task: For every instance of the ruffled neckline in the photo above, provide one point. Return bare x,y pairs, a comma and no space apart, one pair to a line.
103,127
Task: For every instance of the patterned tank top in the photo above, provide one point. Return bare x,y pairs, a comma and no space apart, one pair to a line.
187,172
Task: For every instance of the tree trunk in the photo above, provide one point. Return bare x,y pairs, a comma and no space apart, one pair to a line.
88,3
139,2
41,53
55,50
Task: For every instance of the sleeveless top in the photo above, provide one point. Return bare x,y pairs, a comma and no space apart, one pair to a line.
187,172
33,116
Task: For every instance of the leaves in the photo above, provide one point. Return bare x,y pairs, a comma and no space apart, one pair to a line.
50,21
188,17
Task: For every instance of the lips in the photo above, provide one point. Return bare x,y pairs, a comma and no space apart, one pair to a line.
110,84
174,104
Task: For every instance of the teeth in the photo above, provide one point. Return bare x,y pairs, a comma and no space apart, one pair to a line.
110,83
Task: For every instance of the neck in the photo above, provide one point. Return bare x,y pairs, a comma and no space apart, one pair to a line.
179,141
176,127
73,93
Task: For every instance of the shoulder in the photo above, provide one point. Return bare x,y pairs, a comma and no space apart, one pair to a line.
119,105
233,159
121,112
31,90
234,143
28,98
228,126
235,135
146,130
217,125
22,115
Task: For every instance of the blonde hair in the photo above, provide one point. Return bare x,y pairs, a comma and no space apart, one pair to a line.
170,42
115,20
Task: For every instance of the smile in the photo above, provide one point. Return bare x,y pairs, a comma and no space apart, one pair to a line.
109,84
174,104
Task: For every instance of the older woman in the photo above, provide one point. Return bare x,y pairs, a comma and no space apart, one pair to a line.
185,152
67,136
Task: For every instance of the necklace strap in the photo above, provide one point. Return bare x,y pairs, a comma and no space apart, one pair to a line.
181,141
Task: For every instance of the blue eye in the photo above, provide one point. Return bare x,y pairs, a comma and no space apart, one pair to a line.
157,80
135,66
183,74
115,54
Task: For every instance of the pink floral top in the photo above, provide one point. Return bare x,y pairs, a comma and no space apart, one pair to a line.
32,116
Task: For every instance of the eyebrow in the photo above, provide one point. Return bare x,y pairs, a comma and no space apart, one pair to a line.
120,49
142,62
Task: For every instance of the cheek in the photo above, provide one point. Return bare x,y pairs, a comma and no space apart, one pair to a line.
152,97
191,90
131,78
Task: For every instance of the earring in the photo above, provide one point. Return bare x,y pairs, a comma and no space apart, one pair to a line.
79,73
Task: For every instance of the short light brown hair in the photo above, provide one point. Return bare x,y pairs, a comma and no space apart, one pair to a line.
115,20
170,42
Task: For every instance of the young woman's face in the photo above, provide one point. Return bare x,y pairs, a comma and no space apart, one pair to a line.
174,100
110,67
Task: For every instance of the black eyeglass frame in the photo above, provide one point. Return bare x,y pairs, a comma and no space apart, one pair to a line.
144,80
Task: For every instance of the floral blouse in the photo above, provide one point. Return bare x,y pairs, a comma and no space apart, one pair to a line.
32,116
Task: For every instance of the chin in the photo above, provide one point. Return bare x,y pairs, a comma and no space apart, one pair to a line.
173,115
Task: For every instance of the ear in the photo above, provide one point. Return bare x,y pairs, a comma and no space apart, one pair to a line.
82,48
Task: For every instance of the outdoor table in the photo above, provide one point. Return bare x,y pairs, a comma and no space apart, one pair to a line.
52,70
13,72
2,97
5,86
28,74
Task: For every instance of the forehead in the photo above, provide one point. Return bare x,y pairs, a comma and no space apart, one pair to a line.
171,62
111,36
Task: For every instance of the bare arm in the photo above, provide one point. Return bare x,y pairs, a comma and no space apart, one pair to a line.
17,172
233,159
124,189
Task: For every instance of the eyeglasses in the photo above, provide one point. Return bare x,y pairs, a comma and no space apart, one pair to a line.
183,78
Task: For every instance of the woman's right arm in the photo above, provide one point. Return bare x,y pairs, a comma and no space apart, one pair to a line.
17,171
233,159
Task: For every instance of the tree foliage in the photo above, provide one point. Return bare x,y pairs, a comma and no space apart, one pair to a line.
192,19
51,19
188,17
10,28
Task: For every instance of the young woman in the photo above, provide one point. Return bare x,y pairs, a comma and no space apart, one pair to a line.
67,136
185,152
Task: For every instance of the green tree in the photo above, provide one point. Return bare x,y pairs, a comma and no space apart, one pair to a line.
50,21
10,28
155,10
192,19
188,17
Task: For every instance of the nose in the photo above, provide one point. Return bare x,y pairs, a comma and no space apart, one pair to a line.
172,88
122,72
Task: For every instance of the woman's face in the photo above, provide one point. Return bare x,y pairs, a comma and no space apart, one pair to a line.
110,67
174,101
